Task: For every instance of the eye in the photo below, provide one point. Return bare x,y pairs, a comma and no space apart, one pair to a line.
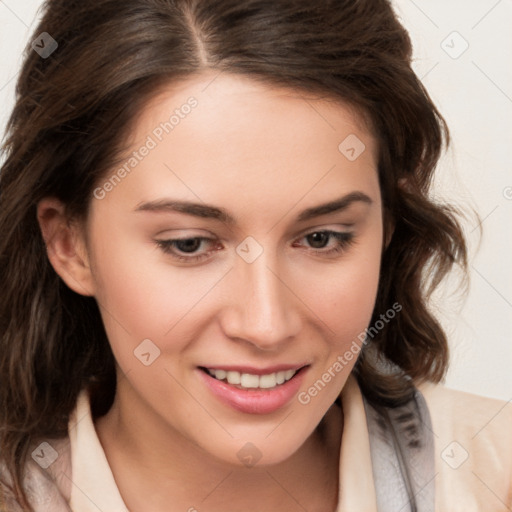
184,249
186,246
320,239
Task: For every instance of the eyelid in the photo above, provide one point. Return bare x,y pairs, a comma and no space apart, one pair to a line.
185,233
204,233
328,227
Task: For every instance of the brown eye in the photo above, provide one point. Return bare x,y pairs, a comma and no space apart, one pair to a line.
185,246
318,240
188,245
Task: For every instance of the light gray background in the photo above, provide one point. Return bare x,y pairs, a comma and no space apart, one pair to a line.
473,91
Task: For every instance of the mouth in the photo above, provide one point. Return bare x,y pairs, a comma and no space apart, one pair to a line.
254,390
246,380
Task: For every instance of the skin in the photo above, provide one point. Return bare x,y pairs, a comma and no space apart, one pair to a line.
264,154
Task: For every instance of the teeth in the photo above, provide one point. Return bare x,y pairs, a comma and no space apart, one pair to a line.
233,377
250,381
220,374
267,381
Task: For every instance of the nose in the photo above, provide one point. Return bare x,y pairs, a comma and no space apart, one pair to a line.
262,308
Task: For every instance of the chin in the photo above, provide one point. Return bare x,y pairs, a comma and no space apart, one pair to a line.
258,450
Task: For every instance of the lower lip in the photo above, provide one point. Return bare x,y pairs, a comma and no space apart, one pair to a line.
254,401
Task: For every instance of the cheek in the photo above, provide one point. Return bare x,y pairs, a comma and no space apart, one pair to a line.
343,295
354,298
135,300
142,296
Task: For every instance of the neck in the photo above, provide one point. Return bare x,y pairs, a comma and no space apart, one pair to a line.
154,466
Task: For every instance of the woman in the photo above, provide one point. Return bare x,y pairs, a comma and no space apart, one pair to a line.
217,250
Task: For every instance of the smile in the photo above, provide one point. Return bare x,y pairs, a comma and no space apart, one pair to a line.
252,381
254,390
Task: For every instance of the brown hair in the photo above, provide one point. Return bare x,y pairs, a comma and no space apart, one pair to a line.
72,112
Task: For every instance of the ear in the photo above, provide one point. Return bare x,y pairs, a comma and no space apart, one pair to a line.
65,246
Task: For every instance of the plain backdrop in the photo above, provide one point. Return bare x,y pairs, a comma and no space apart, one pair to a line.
462,53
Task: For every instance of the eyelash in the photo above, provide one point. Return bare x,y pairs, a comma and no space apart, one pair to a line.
343,241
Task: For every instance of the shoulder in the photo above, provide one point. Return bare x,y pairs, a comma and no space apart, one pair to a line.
469,414
473,448
45,482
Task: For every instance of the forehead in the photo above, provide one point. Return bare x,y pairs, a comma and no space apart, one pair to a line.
231,139
242,98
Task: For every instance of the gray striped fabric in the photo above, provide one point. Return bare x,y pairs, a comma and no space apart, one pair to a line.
402,452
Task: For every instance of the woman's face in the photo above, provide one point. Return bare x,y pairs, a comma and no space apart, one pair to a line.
276,201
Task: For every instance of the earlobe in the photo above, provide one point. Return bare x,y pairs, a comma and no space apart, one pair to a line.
65,246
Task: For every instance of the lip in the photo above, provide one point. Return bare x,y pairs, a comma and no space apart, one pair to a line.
252,401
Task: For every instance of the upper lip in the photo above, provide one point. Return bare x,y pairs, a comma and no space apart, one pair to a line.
256,371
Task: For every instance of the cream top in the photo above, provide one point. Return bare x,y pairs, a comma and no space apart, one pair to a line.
473,455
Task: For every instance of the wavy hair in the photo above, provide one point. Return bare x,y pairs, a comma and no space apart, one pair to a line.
73,111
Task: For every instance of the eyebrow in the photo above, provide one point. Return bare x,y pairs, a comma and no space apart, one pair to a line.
207,211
